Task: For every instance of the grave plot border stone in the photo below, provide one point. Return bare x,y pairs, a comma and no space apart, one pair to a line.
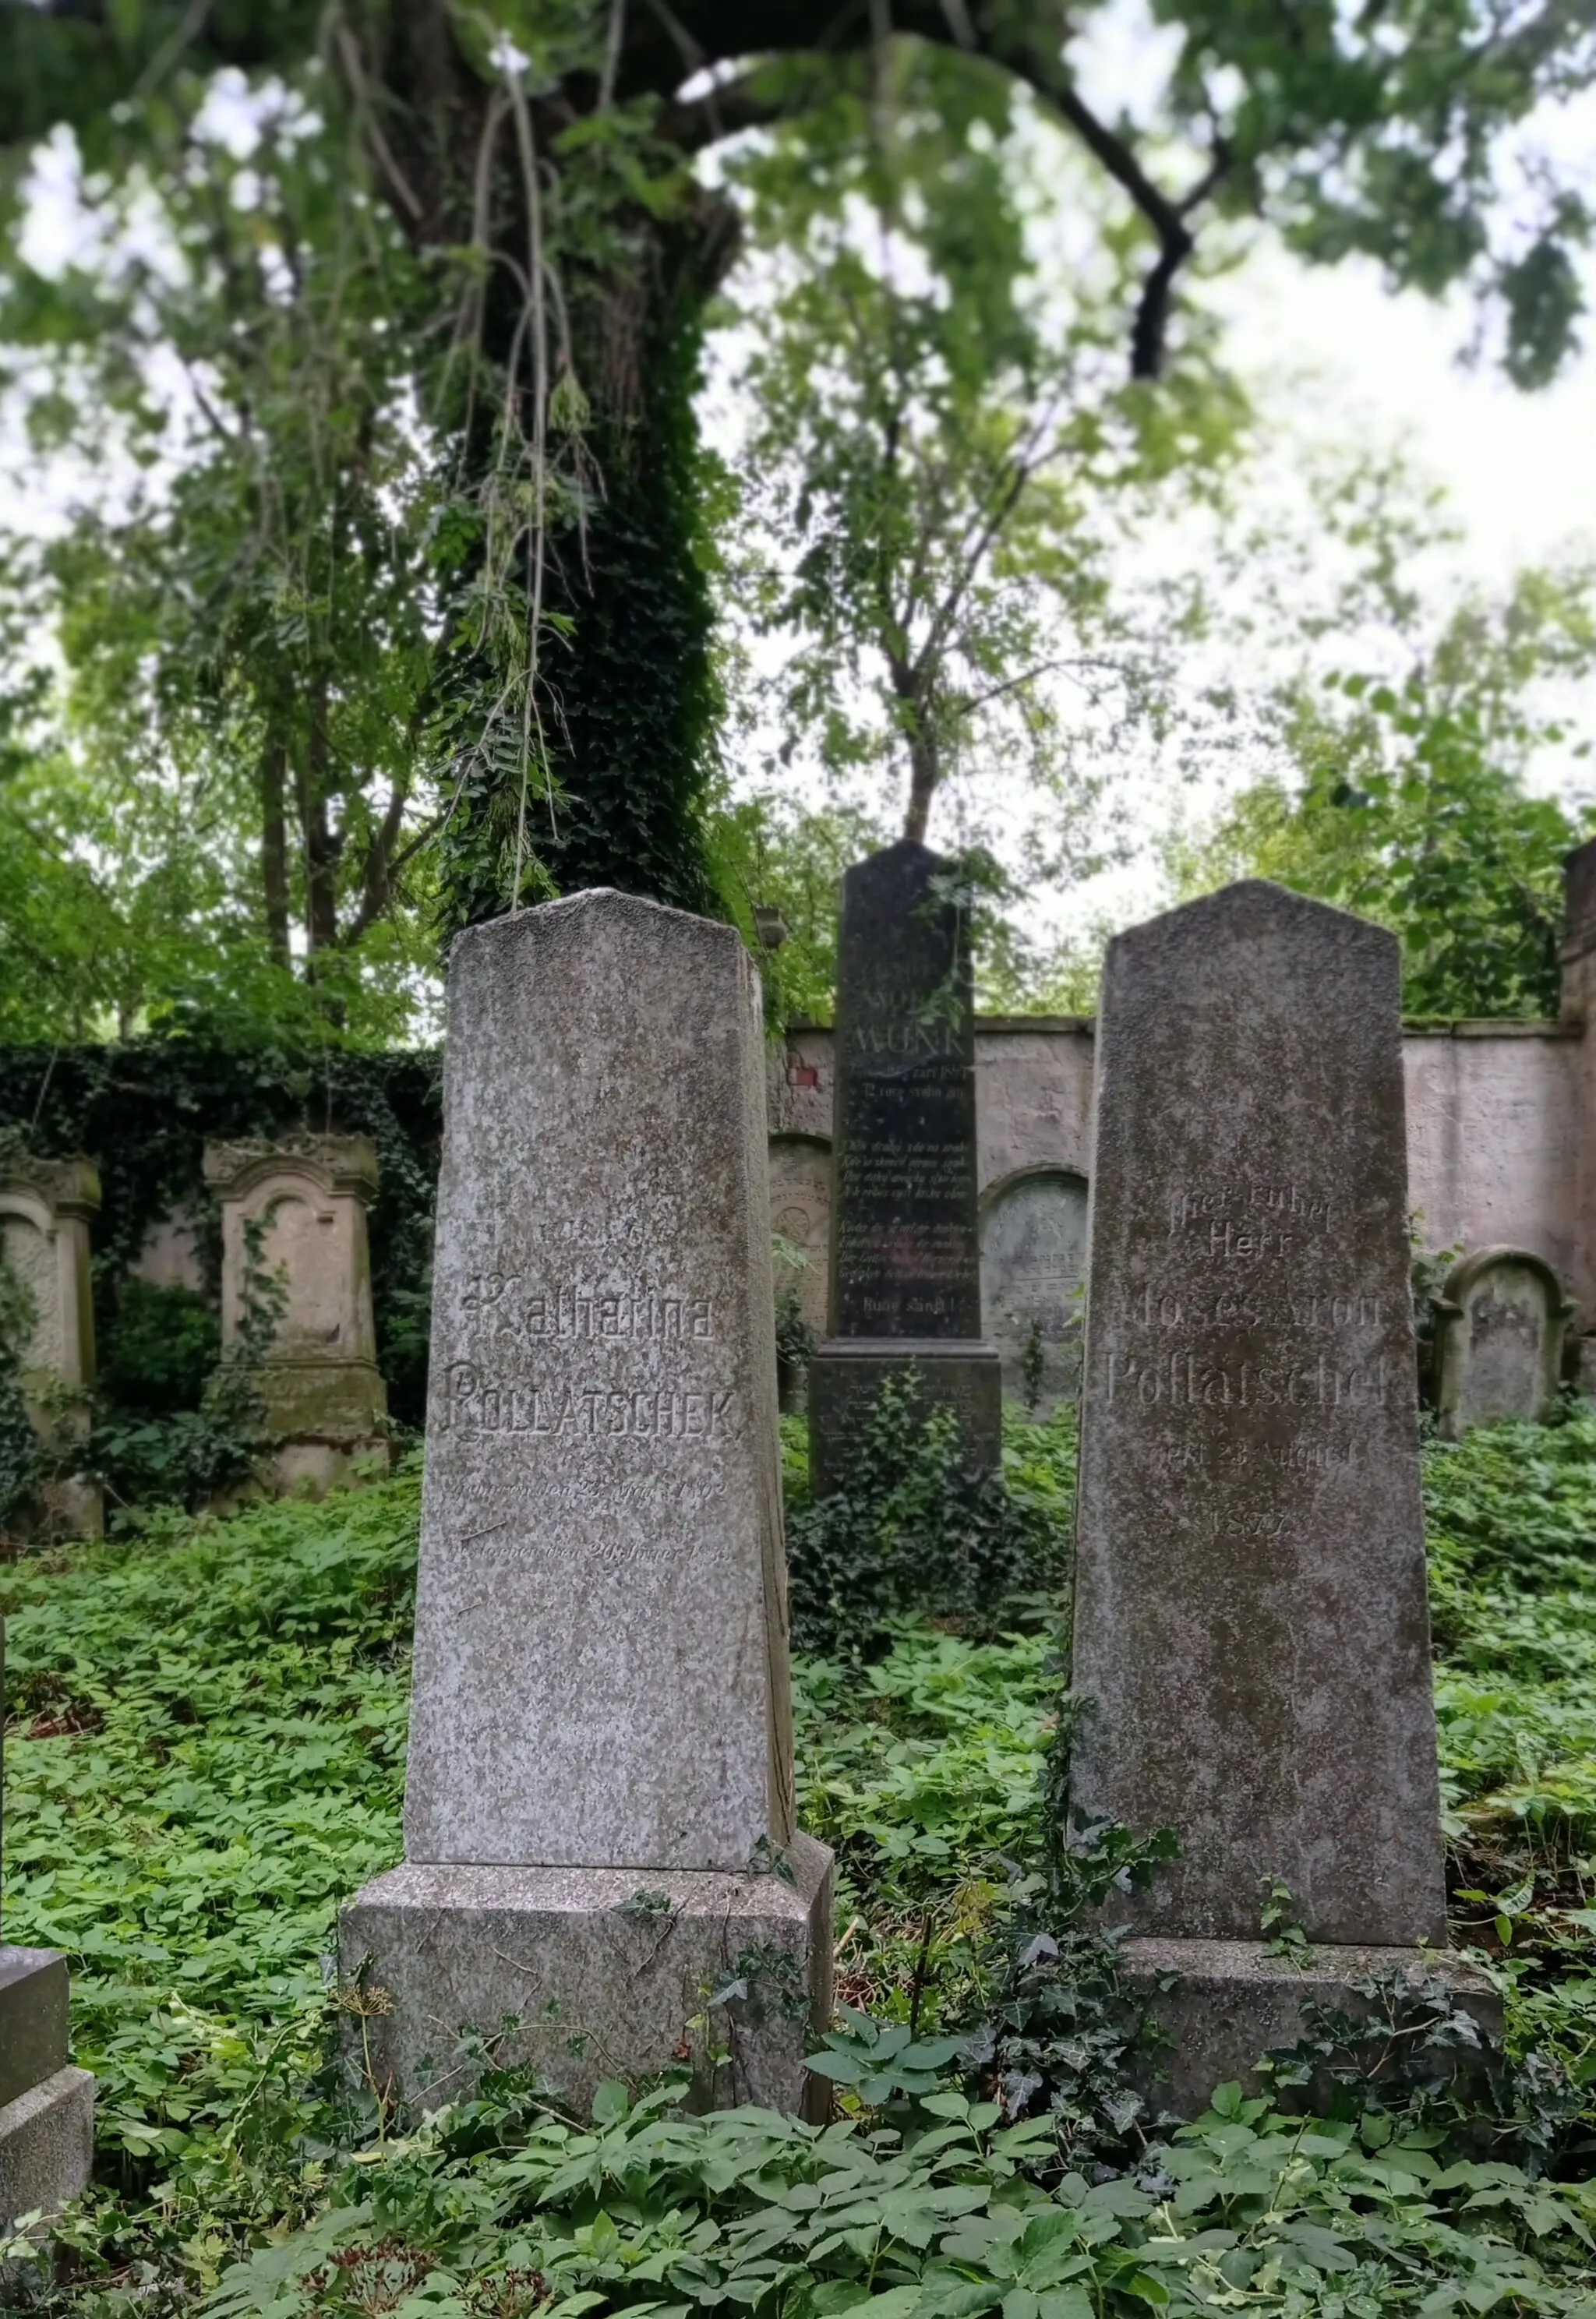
1452,1321
598,1816
904,1290
1250,1624
47,2106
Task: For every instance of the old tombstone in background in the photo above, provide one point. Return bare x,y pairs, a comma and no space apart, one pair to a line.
1500,1327
296,1301
800,1238
906,1287
598,1813
1252,1642
46,1208
47,2108
1033,1270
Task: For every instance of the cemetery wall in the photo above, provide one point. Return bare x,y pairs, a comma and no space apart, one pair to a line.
1493,1111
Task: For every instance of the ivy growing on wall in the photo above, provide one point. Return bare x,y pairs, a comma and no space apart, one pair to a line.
143,1111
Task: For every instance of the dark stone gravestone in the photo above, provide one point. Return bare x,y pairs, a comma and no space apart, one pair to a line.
905,1284
1251,1645
47,2108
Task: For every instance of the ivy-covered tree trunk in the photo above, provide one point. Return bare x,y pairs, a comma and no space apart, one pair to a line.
612,792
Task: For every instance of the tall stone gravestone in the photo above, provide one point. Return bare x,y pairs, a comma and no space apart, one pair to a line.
47,2108
1500,1325
905,1283
599,1815
1251,1627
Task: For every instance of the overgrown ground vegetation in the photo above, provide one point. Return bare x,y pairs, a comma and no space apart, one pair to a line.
204,1754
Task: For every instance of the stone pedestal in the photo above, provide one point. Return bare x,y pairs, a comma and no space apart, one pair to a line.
1251,1632
46,1208
905,1282
1223,2005
294,1239
601,1754
1499,1341
47,2108
609,1972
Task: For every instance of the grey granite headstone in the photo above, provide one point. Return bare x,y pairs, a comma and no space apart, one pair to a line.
600,1750
1252,1642
1499,1341
906,1290
1033,1271
47,2108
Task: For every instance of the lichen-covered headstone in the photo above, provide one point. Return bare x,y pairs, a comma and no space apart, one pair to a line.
296,1273
905,1286
599,1811
1499,1341
1251,1644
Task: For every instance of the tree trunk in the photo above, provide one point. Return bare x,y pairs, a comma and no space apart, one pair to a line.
320,845
274,844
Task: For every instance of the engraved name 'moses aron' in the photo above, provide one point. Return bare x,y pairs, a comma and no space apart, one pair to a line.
600,1653
1251,1627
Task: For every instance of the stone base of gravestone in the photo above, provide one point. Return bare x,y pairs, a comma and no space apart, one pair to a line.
47,2108
1219,2007
609,1971
847,1373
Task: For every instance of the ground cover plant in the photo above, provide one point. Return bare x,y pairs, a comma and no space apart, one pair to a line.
204,1749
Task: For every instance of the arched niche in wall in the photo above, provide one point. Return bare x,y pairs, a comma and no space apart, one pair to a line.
800,1222
1033,1263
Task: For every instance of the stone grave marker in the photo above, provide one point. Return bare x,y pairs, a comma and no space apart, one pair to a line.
305,1200
1033,1270
1251,1643
906,1287
598,1813
1499,1341
46,1209
47,2108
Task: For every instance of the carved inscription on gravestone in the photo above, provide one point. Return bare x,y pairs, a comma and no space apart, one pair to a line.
600,1647
1251,1626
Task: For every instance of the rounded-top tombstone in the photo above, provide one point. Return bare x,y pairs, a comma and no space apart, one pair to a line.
1500,1325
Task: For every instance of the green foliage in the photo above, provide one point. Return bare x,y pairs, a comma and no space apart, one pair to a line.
909,1529
942,448
1414,811
501,2209
22,1463
204,1756
161,1349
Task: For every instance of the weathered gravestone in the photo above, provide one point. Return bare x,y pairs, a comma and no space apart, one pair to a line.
1033,1269
1251,1627
905,1286
46,1208
599,1815
1499,1329
294,1251
47,2108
